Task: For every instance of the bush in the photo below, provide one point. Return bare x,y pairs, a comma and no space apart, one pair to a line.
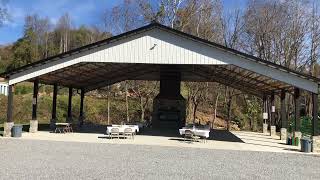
23,89
306,125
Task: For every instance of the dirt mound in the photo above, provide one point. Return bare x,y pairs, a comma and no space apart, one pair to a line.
219,122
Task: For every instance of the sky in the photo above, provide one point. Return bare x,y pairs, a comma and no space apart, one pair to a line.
87,12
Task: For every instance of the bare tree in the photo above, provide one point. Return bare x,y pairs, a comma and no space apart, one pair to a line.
64,28
196,96
144,90
4,14
127,102
123,17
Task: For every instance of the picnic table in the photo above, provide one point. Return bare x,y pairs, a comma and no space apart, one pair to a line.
198,132
63,127
135,128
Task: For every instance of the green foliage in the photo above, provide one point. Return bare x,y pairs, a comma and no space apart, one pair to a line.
24,50
250,117
306,126
23,89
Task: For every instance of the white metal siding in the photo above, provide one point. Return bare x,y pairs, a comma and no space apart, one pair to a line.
4,89
154,47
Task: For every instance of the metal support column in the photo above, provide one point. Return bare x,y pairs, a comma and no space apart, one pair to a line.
34,123
297,105
9,123
10,104
284,120
54,107
273,113
315,121
69,117
283,115
35,99
265,115
81,117
272,110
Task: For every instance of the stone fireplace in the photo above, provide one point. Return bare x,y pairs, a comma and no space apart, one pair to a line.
169,106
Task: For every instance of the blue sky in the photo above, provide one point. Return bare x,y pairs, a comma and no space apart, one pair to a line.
87,12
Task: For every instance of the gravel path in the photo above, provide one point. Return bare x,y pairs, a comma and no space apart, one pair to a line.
31,159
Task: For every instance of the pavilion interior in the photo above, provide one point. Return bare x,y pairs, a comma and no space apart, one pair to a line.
91,76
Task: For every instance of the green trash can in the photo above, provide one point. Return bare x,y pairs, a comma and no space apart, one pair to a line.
292,141
16,131
306,145
296,141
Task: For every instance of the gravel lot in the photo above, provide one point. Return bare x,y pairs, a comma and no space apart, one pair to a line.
32,159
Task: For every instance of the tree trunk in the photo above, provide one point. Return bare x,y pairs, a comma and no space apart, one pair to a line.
142,108
108,107
229,112
61,45
127,103
215,108
195,106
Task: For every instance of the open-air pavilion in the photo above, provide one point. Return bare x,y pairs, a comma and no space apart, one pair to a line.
156,52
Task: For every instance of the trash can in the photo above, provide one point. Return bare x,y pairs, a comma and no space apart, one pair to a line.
296,141
306,145
289,141
16,131
292,141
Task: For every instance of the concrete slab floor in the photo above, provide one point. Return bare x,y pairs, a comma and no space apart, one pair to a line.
249,141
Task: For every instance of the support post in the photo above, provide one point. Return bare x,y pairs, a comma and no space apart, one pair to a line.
69,117
272,120
315,124
81,116
297,105
54,107
34,122
284,121
315,121
9,124
265,115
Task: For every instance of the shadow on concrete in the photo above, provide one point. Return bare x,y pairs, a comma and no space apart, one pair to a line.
259,140
189,141
283,143
263,136
224,135
294,150
257,144
91,128
215,134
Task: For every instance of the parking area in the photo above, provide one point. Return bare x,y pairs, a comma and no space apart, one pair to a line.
31,158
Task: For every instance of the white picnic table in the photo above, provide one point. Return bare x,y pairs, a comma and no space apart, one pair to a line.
134,128
63,127
198,132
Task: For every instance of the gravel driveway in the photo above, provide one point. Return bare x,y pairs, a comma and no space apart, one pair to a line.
32,159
